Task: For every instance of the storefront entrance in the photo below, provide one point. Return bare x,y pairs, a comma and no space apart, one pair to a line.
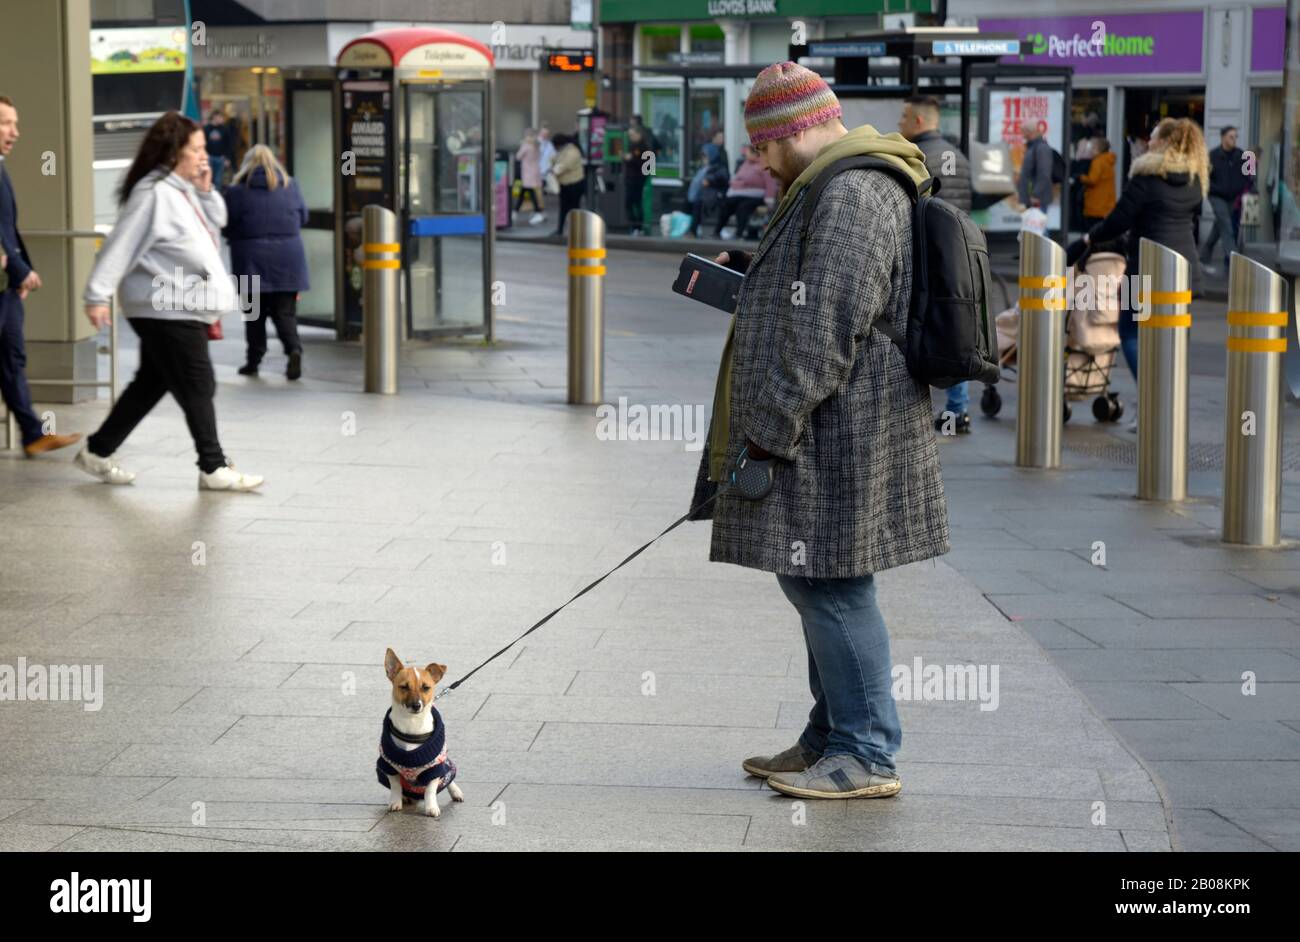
1145,107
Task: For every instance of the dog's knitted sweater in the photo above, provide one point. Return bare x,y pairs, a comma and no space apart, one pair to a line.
419,766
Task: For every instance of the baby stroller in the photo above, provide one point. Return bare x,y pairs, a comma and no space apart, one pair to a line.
1091,335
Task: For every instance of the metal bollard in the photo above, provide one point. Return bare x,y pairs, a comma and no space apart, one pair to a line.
381,327
586,307
1041,352
1163,325
1252,460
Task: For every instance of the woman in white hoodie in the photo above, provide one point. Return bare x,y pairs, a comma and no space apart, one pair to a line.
164,261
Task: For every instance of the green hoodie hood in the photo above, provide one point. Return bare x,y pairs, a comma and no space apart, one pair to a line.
865,140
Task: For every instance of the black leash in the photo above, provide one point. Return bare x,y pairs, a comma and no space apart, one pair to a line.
635,553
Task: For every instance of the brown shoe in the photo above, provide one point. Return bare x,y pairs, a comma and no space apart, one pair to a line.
794,759
49,443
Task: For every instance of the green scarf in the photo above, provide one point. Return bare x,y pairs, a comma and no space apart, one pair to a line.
864,140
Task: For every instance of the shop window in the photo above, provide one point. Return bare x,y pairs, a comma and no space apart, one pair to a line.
661,111
707,40
706,120
659,44
1265,141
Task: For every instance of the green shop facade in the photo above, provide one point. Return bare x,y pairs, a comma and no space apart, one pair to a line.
722,44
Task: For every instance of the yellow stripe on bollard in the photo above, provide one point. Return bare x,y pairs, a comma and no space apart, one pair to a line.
1257,318
586,253
1047,281
1167,320
586,269
373,263
382,246
1257,345
1168,297
1041,304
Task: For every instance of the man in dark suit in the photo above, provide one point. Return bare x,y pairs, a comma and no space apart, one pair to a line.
22,280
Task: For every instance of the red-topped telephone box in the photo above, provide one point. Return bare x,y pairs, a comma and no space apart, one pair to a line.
416,137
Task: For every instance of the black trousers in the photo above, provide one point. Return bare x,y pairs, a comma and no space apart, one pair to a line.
570,198
531,193
634,198
173,359
282,308
742,207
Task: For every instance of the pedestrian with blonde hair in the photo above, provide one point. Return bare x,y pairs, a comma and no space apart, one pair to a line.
1162,202
266,212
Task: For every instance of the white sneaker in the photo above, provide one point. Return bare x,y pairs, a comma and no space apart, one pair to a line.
536,218
228,479
105,469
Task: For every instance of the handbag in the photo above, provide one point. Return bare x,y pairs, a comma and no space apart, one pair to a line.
552,183
1250,209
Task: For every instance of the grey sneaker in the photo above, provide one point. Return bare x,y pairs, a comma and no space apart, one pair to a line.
837,776
794,759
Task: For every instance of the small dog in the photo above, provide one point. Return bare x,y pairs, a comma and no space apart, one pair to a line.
413,761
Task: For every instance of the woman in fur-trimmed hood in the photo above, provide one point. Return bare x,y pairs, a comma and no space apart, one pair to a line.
1161,202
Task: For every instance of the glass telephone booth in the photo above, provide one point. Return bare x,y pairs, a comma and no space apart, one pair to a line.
416,115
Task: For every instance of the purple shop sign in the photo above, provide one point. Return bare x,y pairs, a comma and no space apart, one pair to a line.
1119,43
1267,39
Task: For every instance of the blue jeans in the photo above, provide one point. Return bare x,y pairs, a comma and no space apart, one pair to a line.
848,670
958,399
1224,231
1128,339
13,365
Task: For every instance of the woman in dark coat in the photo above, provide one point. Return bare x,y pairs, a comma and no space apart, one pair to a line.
1162,202
266,214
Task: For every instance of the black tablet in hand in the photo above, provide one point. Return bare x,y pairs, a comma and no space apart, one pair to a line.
705,280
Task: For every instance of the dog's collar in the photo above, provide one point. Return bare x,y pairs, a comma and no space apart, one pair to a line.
398,734
426,749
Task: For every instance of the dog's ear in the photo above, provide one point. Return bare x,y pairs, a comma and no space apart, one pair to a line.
437,671
391,664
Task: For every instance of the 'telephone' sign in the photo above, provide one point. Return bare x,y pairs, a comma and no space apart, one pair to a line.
1110,44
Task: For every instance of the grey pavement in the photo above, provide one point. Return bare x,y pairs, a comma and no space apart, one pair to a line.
242,636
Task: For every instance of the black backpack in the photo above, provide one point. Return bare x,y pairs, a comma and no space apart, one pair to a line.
951,334
1058,166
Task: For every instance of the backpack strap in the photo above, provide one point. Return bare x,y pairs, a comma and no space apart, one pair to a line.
927,188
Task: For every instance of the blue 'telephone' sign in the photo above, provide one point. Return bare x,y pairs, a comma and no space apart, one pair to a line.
976,47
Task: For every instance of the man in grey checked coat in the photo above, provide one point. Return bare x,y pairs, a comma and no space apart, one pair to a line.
806,380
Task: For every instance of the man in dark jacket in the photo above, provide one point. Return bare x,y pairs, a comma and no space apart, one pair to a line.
1034,186
22,280
807,383
220,140
1227,183
919,123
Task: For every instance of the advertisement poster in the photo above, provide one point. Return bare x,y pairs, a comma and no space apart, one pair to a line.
368,138
144,49
1113,44
1009,111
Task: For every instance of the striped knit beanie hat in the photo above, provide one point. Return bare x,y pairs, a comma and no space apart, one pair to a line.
785,99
